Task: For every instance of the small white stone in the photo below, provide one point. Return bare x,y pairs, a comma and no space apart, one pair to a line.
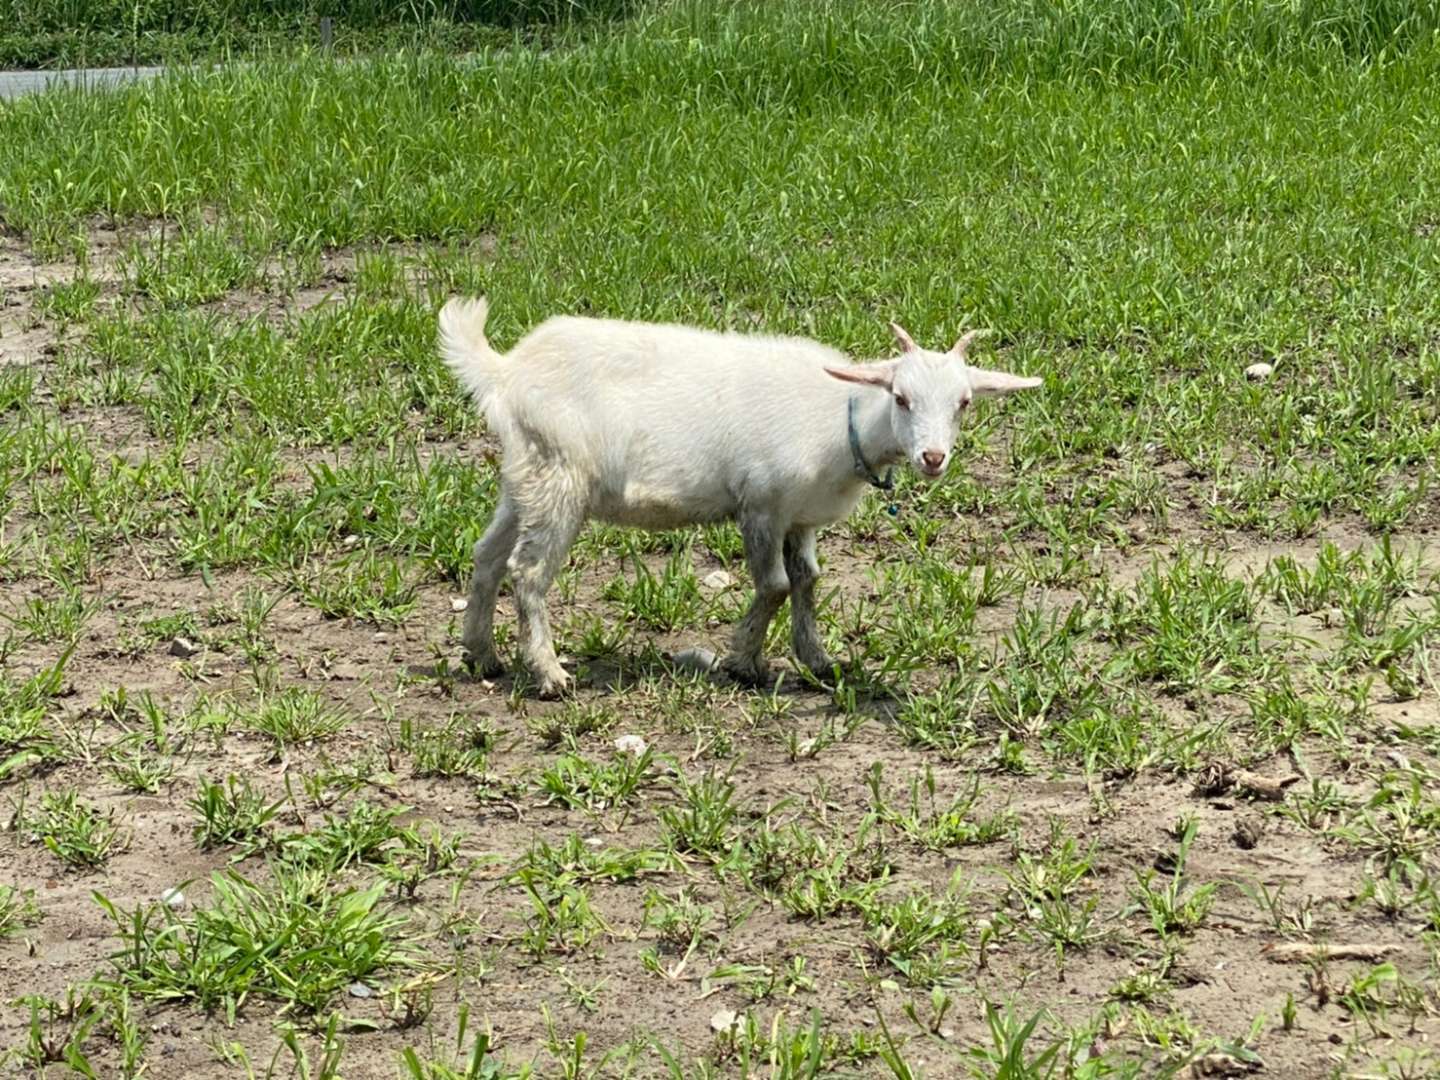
724,1020
360,990
718,580
381,635
1259,372
458,603
174,899
631,744
696,659
183,647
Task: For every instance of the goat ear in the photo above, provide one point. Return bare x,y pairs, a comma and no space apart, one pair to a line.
996,383
962,346
907,343
881,375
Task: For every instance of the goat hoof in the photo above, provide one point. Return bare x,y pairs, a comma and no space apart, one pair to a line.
484,665
746,672
555,687
822,666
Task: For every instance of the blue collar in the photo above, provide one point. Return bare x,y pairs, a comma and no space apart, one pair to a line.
862,467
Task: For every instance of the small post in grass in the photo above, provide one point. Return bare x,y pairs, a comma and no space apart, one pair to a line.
327,31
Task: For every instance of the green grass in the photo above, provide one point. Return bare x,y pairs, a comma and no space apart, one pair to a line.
1146,684
58,33
75,830
293,939
18,910
232,813
289,717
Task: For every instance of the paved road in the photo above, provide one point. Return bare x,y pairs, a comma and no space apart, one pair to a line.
15,84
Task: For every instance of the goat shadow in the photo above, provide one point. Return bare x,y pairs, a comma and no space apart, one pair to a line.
614,673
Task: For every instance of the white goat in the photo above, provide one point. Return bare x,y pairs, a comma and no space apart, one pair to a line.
664,426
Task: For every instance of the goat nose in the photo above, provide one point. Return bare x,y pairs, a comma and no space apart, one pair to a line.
933,458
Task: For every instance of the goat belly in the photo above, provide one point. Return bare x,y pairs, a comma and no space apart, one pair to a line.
650,506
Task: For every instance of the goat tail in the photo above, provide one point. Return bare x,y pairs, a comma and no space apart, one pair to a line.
467,352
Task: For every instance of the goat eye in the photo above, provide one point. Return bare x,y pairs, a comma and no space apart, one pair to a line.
902,401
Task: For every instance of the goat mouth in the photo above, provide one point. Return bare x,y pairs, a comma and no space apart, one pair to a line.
931,471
